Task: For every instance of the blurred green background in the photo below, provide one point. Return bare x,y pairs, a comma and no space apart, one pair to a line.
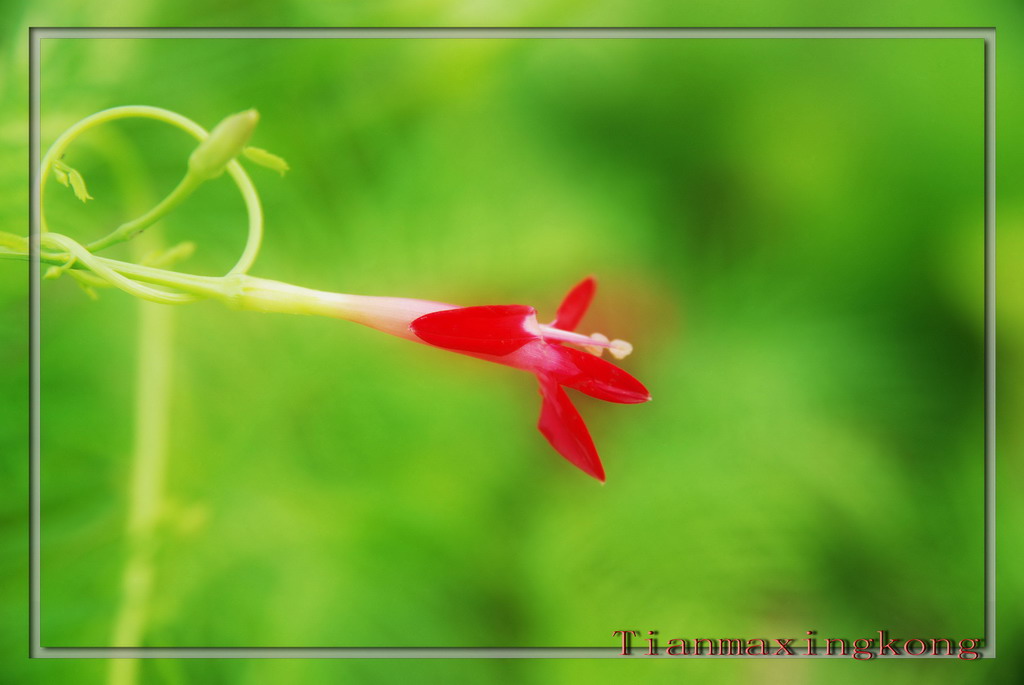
788,231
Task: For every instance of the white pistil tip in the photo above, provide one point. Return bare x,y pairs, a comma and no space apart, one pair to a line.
597,349
620,349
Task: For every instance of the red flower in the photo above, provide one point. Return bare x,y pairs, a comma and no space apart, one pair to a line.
505,334
511,335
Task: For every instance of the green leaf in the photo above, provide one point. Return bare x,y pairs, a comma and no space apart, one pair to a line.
78,185
66,174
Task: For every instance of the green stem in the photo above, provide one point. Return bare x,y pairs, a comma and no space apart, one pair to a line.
238,291
76,254
129,230
149,458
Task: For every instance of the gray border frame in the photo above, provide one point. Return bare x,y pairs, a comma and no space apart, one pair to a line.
36,34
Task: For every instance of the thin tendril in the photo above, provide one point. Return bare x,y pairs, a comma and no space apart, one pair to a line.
254,237
78,252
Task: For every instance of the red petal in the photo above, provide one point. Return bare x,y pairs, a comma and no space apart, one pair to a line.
575,305
563,426
594,376
494,329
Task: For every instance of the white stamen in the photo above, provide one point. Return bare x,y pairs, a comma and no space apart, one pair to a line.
620,349
596,349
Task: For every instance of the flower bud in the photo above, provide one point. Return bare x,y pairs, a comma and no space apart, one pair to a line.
224,143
